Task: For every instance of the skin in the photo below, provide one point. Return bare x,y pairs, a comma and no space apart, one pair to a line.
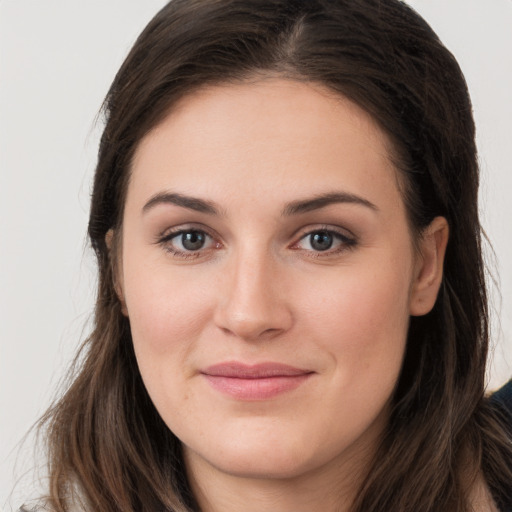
260,291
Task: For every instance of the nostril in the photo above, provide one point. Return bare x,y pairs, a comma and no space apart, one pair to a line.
249,331
264,326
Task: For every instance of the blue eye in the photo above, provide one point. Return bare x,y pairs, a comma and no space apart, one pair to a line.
186,241
321,240
192,240
325,240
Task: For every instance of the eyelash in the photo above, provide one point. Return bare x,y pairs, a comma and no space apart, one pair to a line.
345,242
166,241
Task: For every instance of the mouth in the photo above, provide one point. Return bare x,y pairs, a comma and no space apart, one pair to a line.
254,382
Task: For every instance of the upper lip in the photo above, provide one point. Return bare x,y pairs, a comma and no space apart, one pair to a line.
238,370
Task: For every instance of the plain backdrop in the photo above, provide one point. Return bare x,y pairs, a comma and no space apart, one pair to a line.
57,59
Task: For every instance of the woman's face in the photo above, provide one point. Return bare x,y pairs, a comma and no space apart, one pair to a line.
268,273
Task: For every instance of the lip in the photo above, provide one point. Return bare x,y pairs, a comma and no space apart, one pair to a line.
254,382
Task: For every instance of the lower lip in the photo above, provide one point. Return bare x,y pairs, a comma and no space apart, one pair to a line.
256,388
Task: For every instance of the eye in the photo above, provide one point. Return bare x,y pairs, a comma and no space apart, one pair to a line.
325,240
187,242
321,240
191,240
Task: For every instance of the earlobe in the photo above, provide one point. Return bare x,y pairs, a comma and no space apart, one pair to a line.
112,246
429,268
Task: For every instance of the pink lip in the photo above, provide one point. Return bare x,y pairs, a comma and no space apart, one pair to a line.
254,382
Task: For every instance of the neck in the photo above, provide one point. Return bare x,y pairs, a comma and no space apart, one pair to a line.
315,491
480,497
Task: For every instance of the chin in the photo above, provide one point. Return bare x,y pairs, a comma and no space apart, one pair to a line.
264,451
270,463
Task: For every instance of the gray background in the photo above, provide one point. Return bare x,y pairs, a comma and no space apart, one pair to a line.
57,59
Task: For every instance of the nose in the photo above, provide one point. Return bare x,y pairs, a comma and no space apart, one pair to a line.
253,305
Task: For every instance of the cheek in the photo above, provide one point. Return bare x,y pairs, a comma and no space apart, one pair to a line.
365,332
165,309
361,318
380,308
167,317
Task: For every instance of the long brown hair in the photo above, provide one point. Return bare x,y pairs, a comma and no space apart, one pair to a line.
108,447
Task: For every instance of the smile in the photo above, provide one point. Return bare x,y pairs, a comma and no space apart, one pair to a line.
257,382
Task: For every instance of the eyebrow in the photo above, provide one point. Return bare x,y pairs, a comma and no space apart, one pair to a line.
293,208
191,203
323,200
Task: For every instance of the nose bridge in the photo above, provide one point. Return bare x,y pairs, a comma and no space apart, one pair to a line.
253,305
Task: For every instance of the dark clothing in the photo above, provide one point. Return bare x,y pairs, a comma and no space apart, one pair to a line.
503,399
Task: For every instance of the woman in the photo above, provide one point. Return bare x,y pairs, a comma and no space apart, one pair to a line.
291,311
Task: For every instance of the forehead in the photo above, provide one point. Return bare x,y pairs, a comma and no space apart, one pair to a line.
278,134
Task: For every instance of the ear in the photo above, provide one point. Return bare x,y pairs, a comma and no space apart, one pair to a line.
429,267
115,264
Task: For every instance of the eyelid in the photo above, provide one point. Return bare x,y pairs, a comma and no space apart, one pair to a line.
169,232
165,238
348,239
314,228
